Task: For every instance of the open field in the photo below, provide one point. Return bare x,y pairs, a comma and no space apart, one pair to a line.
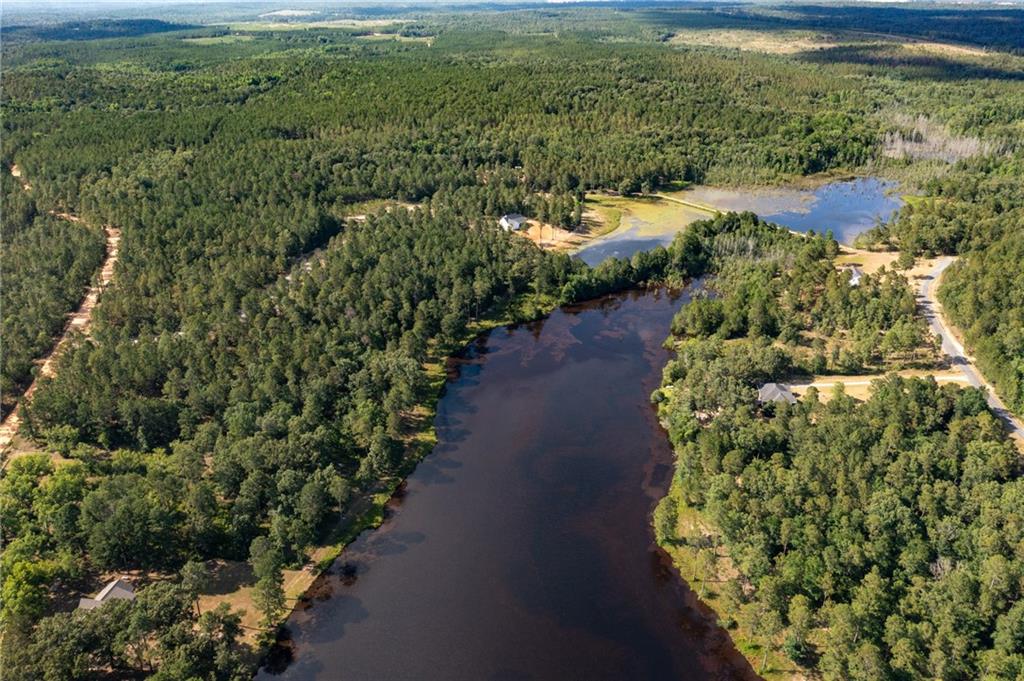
350,24
790,42
218,39
647,215
769,42
859,387
428,40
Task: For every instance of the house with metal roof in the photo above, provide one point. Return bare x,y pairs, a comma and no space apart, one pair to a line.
118,589
512,222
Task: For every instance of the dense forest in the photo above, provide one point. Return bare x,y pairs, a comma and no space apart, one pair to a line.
308,220
873,540
48,261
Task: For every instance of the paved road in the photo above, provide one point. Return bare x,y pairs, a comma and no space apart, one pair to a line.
932,310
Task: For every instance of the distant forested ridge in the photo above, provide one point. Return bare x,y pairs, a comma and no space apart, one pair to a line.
91,30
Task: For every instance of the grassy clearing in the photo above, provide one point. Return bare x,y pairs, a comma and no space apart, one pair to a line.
395,37
769,42
381,25
649,215
790,42
605,215
601,215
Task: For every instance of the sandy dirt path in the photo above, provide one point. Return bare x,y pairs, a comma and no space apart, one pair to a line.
78,321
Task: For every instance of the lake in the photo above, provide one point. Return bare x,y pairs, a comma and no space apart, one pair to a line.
522,547
847,208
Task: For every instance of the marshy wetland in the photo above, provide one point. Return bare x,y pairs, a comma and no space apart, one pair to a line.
848,207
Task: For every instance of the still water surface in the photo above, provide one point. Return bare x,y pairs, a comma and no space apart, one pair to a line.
522,548
847,208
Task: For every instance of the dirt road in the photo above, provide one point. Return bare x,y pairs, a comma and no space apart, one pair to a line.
80,320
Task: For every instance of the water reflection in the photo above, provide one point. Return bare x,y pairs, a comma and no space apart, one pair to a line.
522,547
847,208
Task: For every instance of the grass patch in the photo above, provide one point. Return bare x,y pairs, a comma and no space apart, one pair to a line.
607,216
650,215
380,25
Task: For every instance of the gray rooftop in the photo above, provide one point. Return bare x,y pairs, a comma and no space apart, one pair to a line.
775,392
116,589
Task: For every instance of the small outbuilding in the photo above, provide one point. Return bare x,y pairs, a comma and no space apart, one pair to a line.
775,392
512,222
855,275
118,589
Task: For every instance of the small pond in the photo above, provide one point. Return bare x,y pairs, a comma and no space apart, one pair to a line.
847,207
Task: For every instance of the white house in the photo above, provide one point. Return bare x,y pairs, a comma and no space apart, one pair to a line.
512,222
117,589
855,275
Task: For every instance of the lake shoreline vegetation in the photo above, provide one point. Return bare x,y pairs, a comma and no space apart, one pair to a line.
236,397
812,528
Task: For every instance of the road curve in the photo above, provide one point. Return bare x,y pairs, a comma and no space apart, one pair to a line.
934,314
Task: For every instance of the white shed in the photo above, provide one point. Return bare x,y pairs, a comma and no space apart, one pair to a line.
512,222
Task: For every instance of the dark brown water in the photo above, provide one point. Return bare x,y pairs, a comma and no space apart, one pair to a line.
521,548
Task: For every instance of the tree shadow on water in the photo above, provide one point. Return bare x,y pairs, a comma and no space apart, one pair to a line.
434,470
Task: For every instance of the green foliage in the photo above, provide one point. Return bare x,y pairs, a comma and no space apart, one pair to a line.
158,627
984,296
978,212
268,593
259,362
48,262
849,513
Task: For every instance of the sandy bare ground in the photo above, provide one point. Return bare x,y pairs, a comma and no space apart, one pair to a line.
869,262
16,172
78,322
859,387
552,238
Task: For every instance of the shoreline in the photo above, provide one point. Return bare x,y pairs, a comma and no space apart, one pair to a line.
368,512
718,646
